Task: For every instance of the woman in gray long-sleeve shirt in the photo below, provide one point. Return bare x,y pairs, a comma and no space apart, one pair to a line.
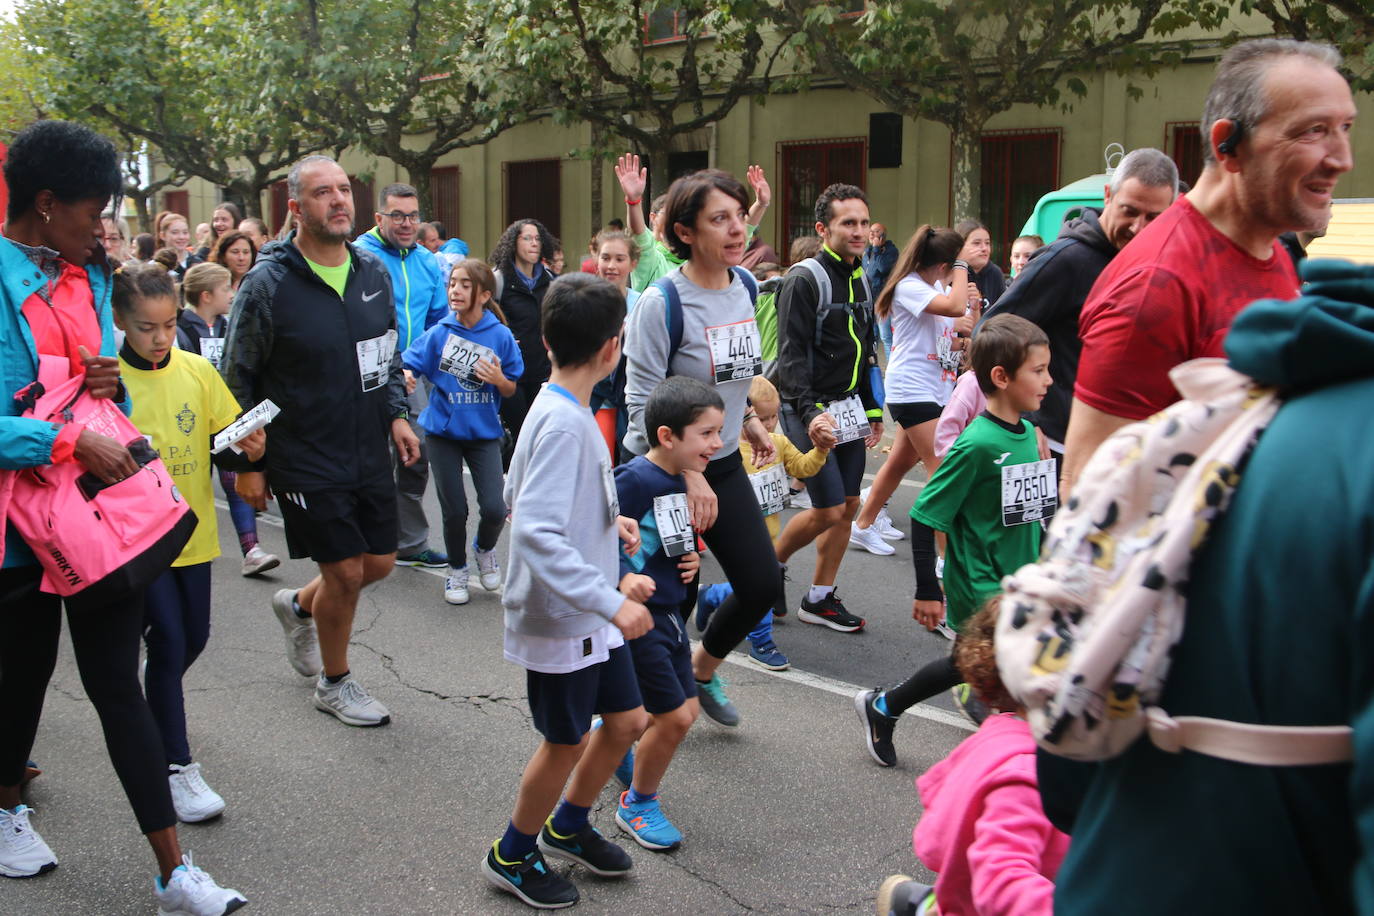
719,344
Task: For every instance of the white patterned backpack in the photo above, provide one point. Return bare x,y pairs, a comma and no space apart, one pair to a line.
1085,635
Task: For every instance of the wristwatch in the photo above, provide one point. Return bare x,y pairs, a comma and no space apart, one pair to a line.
402,414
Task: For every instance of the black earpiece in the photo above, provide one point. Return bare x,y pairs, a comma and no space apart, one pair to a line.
1227,147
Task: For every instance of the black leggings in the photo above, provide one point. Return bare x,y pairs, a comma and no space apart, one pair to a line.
105,641
933,678
744,549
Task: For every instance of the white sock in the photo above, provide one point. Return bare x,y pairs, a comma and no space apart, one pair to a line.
818,592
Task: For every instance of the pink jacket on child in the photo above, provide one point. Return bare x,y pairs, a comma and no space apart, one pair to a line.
983,831
965,402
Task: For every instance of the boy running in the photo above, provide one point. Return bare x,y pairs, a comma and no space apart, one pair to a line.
565,622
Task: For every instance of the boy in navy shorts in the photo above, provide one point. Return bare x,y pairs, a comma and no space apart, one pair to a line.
683,418
565,622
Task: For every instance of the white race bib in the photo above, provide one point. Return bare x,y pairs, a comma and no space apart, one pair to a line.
1029,492
612,497
212,348
850,420
374,359
674,524
250,422
460,357
770,488
736,351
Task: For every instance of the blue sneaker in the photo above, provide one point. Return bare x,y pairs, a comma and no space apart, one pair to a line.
625,773
646,823
715,703
530,879
708,599
765,654
428,558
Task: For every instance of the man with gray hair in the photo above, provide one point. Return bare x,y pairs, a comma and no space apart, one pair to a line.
1276,137
1051,289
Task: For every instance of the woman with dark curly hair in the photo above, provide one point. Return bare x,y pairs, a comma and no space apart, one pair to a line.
521,281
236,252
55,307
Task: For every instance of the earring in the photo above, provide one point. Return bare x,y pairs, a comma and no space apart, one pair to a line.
47,217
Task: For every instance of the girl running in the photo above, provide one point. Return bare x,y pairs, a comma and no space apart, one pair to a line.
180,401
474,361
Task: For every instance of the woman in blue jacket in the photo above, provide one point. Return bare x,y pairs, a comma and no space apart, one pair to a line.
473,360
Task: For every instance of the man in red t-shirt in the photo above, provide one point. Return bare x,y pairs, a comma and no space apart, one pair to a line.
1276,136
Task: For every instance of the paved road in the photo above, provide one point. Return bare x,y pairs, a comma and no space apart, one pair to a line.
787,814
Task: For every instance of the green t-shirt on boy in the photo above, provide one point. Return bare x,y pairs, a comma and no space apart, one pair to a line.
964,499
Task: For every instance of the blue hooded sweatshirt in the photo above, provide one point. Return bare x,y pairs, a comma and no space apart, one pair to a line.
417,279
459,409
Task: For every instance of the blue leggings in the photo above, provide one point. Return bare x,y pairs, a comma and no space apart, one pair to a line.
245,519
176,626
762,633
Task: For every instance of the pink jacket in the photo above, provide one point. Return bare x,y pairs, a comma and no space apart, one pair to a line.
966,402
984,832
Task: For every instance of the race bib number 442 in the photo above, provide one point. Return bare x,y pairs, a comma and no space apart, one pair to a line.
1029,492
374,359
736,352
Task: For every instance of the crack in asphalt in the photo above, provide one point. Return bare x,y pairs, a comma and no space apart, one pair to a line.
682,866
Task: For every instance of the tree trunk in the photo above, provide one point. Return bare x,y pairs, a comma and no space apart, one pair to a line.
598,186
419,170
966,172
658,174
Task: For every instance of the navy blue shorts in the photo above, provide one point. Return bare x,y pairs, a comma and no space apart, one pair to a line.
663,663
841,476
563,704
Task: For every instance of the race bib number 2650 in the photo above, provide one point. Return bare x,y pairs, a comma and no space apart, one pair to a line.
1029,492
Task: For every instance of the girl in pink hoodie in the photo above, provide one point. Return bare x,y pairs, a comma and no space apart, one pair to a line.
983,832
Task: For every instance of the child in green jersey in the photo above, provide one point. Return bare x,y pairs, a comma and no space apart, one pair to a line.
988,496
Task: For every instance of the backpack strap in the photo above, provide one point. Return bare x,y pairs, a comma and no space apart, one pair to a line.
1248,742
750,283
500,283
672,314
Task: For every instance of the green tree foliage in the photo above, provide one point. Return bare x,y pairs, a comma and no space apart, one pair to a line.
1347,24
19,90
959,62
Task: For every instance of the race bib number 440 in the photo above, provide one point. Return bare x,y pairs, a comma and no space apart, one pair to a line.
736,352
674,523
850,420
1029,492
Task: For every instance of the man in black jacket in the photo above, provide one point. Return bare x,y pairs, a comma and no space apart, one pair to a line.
1050,291
827,395
314,330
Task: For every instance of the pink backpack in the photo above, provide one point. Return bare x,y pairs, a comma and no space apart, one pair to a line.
97,542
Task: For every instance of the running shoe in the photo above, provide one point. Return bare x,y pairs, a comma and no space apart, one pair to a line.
23,853
647,824
488,568
31,772
430,559
945,630
869,539
456,586
829,612
800,499
968,703
765,654
587,848
302,643
900,895
349,702
715,703
877,728
192,892
886,529
708,599
530,879
192,799
939,567
257,560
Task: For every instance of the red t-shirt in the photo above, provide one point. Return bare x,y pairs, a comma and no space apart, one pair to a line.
1168,297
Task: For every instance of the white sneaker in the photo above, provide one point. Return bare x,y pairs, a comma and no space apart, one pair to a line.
456,586
192,892
886,530
258,560
801,500
945,630
193,800
939,567
23,853
349,702
488,569
302,644
869,539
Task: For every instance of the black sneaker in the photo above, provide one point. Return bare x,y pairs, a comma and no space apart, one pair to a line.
968,703
587,848
830,612
877,728
530,879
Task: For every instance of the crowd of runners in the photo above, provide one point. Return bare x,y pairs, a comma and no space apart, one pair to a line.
671,399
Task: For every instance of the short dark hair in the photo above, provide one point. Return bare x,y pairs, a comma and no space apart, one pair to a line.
395,189
676,402
228,206
581,313
687,196
68,159
825,210
143,281
803,247
439,229
144,246
1005,340
617,223
224,242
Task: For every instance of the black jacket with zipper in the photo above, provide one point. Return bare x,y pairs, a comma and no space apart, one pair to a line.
809,377
292,339
524,310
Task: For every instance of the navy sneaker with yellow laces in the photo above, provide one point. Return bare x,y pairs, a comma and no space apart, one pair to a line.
530,879
588,848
